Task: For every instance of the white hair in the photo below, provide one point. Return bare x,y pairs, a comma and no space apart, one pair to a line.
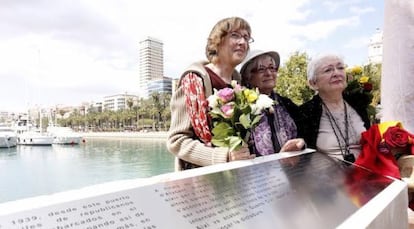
316,62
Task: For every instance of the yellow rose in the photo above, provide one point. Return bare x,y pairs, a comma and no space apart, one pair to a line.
357,70
364,79
250,95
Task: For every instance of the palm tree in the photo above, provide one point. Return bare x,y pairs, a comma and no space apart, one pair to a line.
156,99
129,103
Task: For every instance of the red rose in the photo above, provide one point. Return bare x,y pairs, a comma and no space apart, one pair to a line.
367,86
396,137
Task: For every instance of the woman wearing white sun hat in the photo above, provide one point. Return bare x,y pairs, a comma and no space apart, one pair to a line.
277,130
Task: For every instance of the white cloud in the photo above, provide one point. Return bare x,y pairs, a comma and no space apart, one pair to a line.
360,43
339,5
84,50
320,30
360,11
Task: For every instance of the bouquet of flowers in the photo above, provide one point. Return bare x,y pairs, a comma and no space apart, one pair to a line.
235,112
382,145
360,85
388,150
399,143
359,90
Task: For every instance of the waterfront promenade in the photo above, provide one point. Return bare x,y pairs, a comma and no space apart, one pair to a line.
153,135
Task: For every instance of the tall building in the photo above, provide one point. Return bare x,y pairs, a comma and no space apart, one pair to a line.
151,64
375,48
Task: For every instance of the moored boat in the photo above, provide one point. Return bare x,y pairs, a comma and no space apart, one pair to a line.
64,135
8,138
28,134
34,138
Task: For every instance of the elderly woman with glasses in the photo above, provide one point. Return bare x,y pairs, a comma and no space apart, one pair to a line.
277,130
189,136
332,121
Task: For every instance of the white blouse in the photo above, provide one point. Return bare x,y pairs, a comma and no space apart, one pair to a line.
327,141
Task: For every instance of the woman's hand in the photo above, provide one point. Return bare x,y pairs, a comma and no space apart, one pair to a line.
241,154
296,144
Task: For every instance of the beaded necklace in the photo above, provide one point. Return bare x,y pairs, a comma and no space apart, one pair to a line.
346,154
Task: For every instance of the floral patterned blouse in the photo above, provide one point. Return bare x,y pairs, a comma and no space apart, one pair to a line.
197,104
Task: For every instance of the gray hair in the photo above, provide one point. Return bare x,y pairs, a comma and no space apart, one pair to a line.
247,73
317,62
253,62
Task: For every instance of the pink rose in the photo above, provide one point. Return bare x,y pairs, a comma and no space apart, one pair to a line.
227,110
226,94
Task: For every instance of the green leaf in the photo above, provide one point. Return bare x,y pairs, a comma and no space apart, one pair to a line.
220,142
245,120
256,120
246,109
222,130
216,113
235,143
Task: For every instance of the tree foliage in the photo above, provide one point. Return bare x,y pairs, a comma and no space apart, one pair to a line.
291,80
153,113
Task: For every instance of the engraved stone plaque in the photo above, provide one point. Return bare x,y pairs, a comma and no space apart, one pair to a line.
308,190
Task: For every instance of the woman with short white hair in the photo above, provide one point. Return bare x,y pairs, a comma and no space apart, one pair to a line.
332,121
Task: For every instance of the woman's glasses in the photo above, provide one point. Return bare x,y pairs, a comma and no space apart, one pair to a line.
262,70
237,37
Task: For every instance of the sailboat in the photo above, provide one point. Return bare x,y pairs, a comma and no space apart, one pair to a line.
27,134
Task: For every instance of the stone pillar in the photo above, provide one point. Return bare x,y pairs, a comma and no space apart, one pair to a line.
397,82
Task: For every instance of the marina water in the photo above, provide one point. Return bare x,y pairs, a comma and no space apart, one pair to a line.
28,171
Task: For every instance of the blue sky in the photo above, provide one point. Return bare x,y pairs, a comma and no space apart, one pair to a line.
72,51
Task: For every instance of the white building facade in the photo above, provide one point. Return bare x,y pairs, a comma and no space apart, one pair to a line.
118,102
375,47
